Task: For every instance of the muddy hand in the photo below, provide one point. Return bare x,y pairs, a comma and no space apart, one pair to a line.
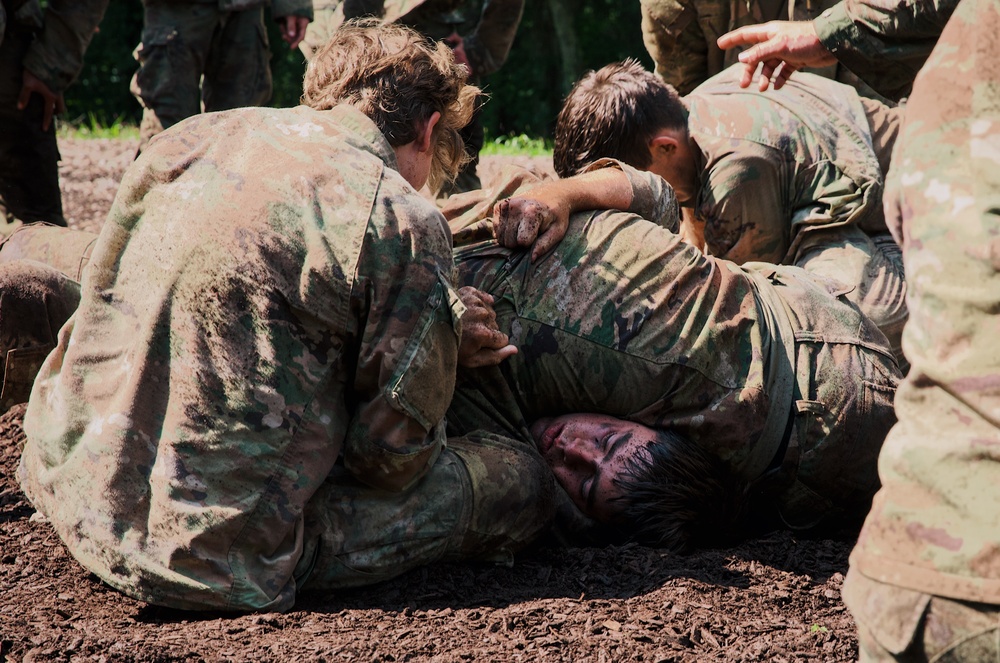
524,222
483,344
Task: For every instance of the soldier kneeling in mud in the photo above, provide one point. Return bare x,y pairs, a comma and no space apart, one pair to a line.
249,400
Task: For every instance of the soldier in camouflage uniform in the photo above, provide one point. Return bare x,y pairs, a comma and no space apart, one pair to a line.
793,178
924,582
207,55
480,31
249,400
41,52
788,386
680,37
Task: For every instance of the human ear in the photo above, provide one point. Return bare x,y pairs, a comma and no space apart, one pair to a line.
425,132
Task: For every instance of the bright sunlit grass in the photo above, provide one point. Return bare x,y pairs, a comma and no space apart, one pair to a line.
521,145
89,127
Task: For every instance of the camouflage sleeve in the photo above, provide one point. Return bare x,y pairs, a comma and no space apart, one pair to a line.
56,56
410,325
488,46
884,42
675,42
652,198
281,8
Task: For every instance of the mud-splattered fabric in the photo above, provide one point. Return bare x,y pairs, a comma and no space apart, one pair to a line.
935,525
267,295
681,35
792,176
884,42
625,318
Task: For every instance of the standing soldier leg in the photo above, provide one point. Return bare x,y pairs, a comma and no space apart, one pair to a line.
29,157
176,40
238,69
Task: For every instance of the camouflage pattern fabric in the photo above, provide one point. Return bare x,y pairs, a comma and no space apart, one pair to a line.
67,251
626,318
238,332
35,301
934,528
203,55
49,43
680,36
792,177
858,34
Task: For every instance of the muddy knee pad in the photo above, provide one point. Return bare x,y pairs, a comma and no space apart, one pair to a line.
513,495
35,301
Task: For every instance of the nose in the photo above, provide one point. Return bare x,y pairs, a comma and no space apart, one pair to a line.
579,450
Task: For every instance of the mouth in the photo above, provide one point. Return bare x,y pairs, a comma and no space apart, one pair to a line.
547,436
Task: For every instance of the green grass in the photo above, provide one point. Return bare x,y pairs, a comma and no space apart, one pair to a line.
89,127
521,145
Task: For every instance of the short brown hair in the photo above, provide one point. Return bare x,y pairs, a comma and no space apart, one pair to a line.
614,112
398,78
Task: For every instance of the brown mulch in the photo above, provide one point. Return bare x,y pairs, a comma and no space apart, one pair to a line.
775,598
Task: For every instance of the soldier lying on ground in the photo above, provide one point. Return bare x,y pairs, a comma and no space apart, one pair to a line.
794,178
774,381
768,396
239,331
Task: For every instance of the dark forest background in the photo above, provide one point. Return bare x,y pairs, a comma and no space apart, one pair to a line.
558,40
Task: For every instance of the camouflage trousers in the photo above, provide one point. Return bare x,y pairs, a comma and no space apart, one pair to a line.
29,156
874,263
485,497
903,625
194,57
35,301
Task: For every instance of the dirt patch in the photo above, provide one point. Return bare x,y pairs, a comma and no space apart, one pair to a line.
775,598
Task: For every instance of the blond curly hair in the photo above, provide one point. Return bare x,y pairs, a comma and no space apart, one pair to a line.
398,78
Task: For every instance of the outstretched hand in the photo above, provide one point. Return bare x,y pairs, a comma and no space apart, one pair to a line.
780,48
519,223
483,344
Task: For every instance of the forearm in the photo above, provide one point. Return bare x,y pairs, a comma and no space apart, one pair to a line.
885,42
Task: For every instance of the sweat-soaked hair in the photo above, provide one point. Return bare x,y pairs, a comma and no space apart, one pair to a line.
677,496
614,112
398,78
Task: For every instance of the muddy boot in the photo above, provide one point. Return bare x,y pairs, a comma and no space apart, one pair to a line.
35,301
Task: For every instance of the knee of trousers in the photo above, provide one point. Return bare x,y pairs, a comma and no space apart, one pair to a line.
35,302
514,496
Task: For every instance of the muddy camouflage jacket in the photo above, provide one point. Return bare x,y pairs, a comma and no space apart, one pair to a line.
884,42
63,30
802,154
266,295
935,525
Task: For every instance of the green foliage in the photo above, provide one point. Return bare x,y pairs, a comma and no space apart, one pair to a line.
92,127
525,95
519,145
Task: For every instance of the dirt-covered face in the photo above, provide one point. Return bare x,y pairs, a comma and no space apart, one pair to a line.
586,452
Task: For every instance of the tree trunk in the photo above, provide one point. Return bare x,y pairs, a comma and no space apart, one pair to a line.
569,48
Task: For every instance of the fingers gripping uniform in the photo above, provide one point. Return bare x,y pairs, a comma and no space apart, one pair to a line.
237,333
